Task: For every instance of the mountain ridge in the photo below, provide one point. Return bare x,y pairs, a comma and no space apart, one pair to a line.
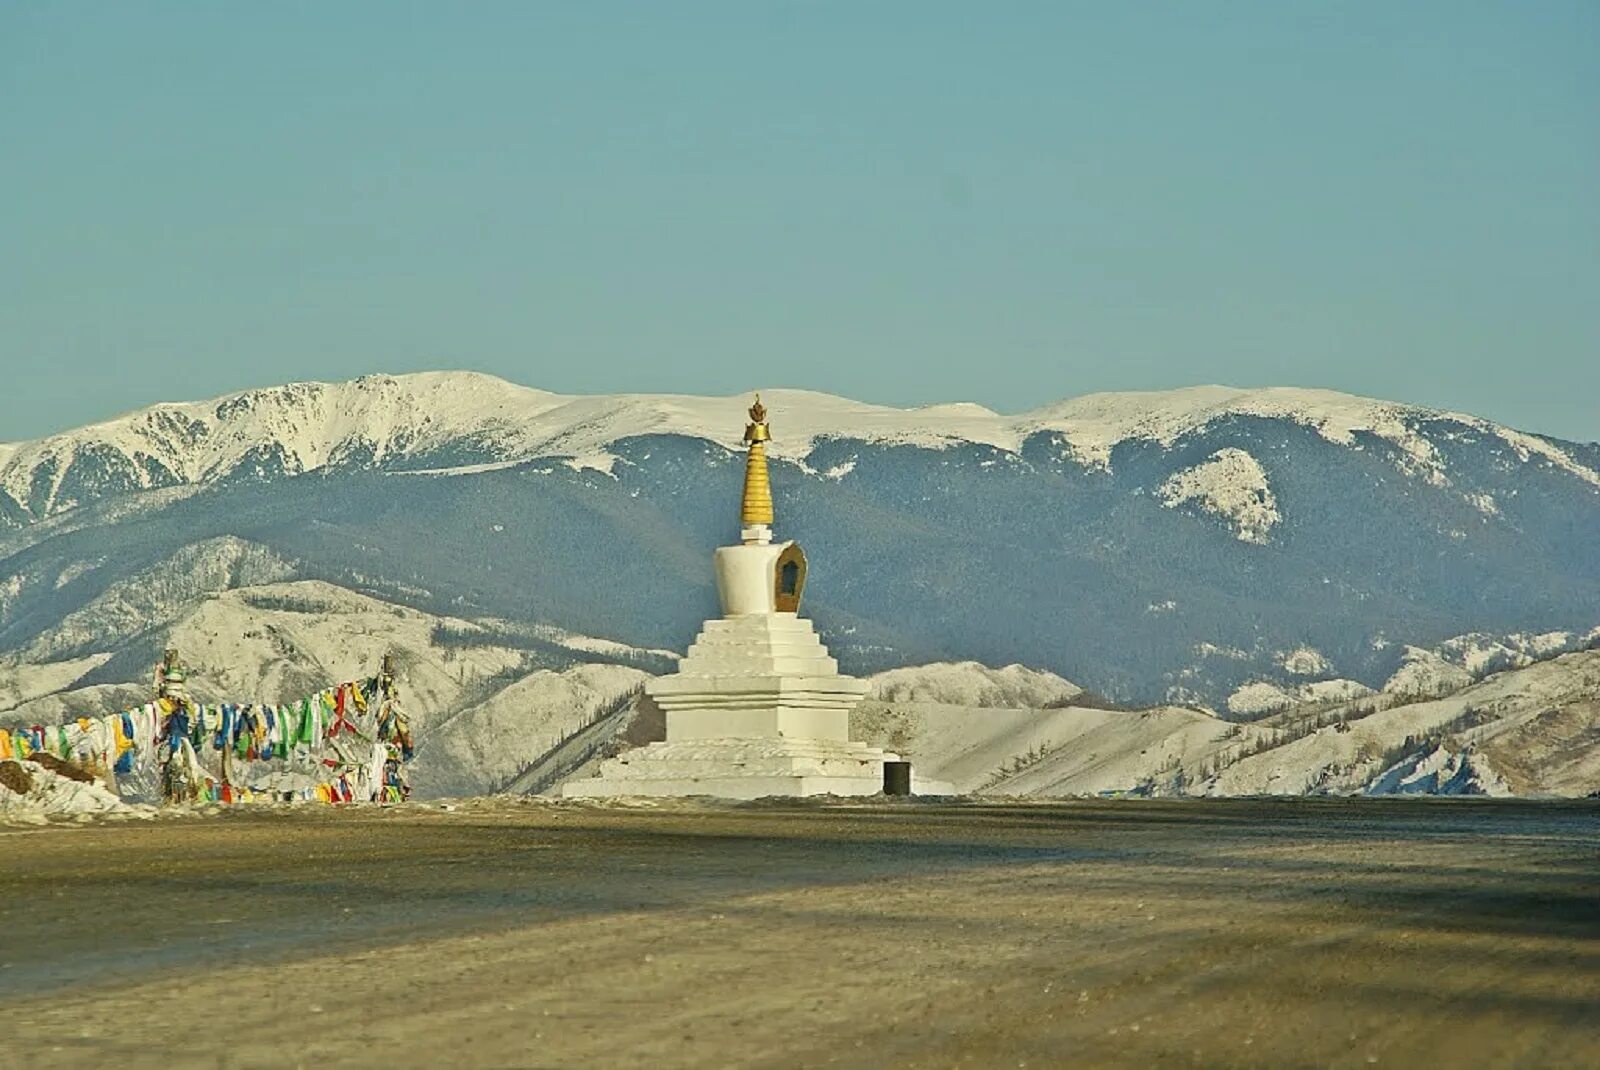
464,421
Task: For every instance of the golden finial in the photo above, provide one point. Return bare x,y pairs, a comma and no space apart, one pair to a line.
756,430
757,505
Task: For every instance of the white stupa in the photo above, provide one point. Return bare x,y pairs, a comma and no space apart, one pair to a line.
757,707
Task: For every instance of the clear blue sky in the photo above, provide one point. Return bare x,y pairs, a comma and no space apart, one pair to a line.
902,202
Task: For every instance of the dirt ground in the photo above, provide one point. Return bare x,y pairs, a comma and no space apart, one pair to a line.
1286,933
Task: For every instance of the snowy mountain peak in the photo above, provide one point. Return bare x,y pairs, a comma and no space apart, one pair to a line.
1094,423
437,420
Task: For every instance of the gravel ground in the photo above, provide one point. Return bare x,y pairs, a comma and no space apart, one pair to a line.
1274,933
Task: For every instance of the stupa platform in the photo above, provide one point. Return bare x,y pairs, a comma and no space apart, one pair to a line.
739,769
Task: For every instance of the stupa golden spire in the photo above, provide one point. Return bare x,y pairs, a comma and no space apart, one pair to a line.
757,506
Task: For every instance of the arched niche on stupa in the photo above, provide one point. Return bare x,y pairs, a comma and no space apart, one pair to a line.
789,578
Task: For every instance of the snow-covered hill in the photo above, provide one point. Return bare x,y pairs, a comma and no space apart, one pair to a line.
1422,673
968,683
485,747
1350,749
981,749
1534,730
485,697
273,642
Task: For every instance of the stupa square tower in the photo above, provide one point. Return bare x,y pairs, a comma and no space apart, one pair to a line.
757,707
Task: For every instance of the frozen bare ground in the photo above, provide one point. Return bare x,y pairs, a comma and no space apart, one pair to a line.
526,932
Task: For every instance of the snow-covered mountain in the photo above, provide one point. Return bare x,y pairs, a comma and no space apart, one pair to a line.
455,421
1244,550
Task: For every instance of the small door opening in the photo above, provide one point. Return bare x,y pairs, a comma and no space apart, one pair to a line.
789,579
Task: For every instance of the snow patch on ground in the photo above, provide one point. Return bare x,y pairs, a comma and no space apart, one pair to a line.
1527,446
1440,771
1259,697
52,795
1332,691
599,461
1304,661
1424,674
1232,485
1479,653
1212,650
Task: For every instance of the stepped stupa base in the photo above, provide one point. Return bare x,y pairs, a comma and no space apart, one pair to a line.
741,769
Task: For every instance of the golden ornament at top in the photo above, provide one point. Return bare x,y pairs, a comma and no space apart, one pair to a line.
756,430
756,508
